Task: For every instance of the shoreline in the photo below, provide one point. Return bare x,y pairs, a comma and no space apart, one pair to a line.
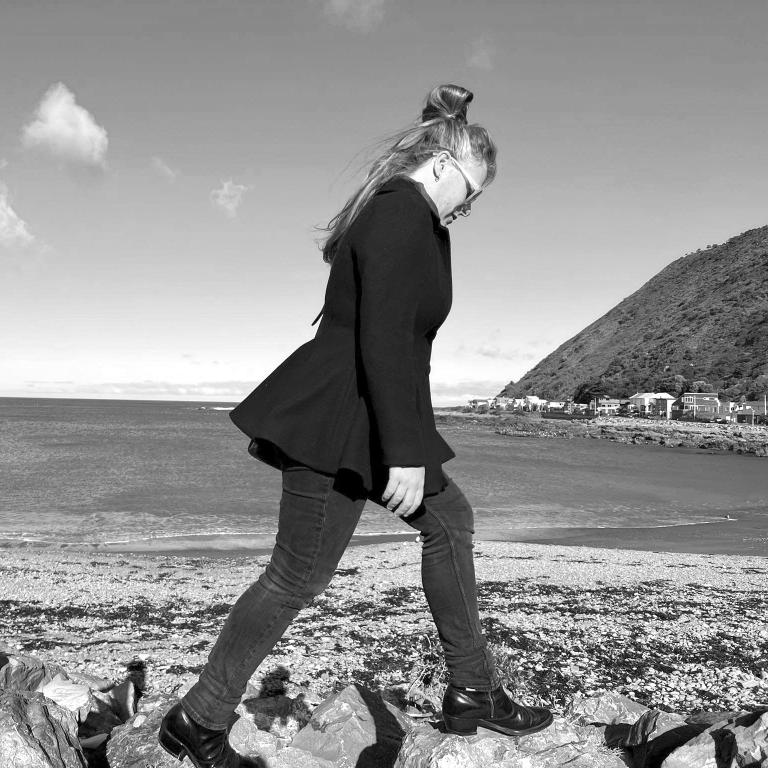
737,536
715,438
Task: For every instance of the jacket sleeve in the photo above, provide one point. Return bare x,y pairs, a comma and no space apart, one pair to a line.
391,247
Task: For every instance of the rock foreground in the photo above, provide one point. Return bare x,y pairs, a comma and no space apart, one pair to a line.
53,718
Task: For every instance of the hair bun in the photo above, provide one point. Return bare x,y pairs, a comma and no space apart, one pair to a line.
447,102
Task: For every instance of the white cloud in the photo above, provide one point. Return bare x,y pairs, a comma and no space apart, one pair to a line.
360,15
13,229
66,130
228,197
460,392
500,353
480,54
232,391
163,169
3,164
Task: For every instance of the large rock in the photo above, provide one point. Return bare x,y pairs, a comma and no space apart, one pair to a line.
427,747
355,729
264,748
656,734
606,709
35,732
27,673
77,698
134,745
564,743
740,741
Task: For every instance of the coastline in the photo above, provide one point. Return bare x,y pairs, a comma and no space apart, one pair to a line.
725,438
675,631
745,535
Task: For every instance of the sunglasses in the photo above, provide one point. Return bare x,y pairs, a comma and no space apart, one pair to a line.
473,190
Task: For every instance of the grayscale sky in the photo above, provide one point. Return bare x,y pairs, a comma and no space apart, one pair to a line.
163,164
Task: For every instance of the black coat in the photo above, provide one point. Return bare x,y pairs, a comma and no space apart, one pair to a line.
357,396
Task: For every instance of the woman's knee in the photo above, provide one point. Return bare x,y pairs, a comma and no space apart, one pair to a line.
295,588
449,513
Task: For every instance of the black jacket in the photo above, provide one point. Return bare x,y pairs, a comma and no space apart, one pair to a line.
357,396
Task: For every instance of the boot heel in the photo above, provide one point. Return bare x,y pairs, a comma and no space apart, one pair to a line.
461,726
172,746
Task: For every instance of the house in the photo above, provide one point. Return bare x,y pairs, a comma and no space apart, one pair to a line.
662,404
554,405
696,405
533,403
652,403
501,401
482,402
641,401
750,412
605,406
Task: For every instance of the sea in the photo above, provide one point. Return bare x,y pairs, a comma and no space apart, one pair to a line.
176,476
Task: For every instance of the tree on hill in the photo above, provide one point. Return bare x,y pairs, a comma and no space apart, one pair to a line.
589,391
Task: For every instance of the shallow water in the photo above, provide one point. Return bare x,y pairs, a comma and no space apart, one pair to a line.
95,471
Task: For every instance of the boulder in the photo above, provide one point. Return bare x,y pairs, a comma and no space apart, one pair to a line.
108,710
122,699
35,732
564,743
247,738
568,742
78,699
27,673
605,709
353,729
94,682
656,734
741,741
264,748
710,718
134,744
751,733
427,747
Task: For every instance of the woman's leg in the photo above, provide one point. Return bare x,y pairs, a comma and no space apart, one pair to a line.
318,514
446,523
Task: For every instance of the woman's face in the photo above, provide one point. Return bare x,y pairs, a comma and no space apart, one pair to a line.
460,183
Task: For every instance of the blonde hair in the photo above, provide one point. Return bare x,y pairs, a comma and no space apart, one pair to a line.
442,126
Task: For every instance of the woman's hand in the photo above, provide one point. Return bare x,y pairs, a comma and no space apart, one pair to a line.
404,491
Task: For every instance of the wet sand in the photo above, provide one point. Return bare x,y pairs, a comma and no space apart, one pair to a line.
747,535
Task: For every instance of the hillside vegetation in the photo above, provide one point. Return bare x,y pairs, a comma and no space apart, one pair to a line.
699,324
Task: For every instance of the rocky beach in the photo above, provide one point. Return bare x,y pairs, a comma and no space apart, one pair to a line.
737,438
675,633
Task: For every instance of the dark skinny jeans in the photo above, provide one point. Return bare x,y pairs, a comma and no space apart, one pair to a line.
318,514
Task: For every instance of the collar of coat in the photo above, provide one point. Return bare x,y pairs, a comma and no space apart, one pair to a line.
406,182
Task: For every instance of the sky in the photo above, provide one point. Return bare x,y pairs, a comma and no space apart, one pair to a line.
164,164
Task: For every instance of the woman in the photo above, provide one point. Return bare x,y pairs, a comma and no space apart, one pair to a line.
348,417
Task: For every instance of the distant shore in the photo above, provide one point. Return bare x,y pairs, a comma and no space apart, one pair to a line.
736,438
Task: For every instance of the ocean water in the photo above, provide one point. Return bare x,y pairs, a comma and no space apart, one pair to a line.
97,472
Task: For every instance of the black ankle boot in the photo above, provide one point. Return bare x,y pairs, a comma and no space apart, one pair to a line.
464,709
182,737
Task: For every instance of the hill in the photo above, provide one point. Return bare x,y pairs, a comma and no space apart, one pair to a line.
699,324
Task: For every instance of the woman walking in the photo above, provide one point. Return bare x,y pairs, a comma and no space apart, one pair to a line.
348,417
